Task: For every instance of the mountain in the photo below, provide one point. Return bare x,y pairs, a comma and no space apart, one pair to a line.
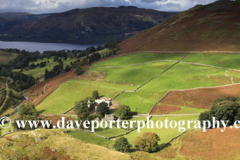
9,20
212,27
92,25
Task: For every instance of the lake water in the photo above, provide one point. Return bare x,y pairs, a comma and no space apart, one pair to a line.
37,46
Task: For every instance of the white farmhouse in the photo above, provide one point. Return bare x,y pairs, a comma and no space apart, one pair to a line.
98,101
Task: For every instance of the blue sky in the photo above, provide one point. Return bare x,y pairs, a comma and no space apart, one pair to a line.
51,6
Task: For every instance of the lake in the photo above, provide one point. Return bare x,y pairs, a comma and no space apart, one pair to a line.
37,46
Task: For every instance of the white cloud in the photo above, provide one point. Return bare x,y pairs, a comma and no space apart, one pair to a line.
48,6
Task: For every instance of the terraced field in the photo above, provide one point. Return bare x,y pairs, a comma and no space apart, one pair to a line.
130,71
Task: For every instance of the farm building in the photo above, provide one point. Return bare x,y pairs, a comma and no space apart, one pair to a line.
98,101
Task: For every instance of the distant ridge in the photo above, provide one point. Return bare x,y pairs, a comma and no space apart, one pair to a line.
91,25
120,7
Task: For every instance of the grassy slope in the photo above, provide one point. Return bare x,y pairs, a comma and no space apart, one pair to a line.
91,138
185,76
51,144
138,58
182,76
141,103
135,75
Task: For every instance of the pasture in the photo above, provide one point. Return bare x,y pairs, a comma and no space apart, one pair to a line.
186,76
134,75
65,96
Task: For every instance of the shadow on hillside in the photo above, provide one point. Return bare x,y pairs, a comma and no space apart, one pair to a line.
41,111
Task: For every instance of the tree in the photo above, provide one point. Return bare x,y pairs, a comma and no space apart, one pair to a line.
99,47
67,68
27,112
222,109
46,74
148,142
122,145
82,111
102,109
123,112
95,94
79,70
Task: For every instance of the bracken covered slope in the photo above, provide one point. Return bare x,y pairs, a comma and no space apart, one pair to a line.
213,27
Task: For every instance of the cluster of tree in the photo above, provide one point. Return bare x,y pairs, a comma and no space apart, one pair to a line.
82,110
112,45
123,112
148,143
42,64
227,109
25,57
26,112
102,109
21,80
54,72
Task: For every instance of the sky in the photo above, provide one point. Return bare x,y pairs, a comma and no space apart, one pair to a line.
54,6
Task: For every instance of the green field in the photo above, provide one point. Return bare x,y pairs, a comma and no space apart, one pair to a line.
135,75
186,76
138,58
91,138
64,98
110,132
138,101
180,76
39,72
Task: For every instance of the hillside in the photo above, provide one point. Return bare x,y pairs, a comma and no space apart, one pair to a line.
92,25
213,27
9,20
46,144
